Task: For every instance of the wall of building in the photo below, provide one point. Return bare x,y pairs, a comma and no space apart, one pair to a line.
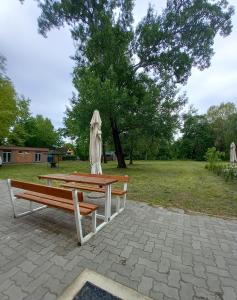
25,156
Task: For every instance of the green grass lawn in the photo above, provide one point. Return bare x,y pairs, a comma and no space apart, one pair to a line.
181,184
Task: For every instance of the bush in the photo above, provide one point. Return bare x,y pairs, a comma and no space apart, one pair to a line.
214,157
69,157
230,171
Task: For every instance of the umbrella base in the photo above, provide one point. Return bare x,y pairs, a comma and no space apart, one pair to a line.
96,195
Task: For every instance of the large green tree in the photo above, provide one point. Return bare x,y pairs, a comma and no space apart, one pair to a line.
197,137
18,133
8,97
223,118
40,132
111,54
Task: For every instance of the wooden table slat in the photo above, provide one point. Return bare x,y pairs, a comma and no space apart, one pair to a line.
80,179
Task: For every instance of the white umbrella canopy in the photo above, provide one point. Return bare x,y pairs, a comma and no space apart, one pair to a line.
233,157
95,143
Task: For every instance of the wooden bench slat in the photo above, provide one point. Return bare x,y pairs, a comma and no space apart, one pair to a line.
52,203
53,191
92,188
82,204
119,178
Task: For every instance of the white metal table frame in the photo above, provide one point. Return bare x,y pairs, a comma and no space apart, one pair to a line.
108,197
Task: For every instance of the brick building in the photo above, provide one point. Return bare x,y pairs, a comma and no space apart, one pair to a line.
22,155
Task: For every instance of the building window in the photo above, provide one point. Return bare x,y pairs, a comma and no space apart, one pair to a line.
37,156
6,157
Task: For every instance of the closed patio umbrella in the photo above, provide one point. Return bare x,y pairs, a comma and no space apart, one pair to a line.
233,157
95,143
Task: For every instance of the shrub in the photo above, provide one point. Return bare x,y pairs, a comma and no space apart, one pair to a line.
213,158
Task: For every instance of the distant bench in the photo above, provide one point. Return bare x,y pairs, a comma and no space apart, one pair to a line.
115,191
71,201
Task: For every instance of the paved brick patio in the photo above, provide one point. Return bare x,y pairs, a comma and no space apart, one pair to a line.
162,254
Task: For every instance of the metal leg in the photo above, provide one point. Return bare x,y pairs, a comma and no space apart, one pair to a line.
28,212
12,197
94,221
107,202
125,188
77,217
49,182
117,204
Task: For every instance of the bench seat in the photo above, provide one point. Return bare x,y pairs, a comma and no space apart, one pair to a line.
68,200
56,202
74,185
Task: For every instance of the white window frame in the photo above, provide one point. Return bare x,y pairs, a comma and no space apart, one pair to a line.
6,157
37,157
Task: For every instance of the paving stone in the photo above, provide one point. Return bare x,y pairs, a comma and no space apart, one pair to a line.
121,269
49,296
126,281
199,270
138,272
3,297
34,284
127,251
164,265
229,293
54,285
156,275
202,293
214,283
174,278
166,290
145,285
59,260
186,291
228,282
220,262
38,294
187,259
9,274
15,293
5,285
148,263
21,278
199,282
219,272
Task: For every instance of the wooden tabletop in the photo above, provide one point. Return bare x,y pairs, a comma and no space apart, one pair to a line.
80,179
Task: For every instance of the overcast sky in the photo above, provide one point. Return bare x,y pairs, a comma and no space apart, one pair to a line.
41,68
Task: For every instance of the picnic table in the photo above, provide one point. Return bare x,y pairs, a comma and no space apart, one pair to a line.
84,179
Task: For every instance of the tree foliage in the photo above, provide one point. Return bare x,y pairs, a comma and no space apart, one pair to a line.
17,126
197,137
223,121
217,128
8,98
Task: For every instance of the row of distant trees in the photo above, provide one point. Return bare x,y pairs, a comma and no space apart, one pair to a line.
218,127
17,125
196,133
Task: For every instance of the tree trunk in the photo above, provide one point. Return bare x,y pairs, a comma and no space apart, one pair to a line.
131,157
117,144
146,155
104,153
